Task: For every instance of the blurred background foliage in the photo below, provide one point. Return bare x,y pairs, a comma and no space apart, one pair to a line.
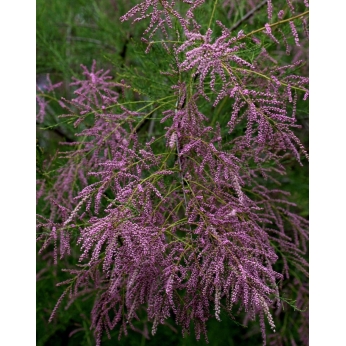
71,33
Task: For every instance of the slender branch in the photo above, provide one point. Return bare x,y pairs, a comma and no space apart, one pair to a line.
248,15
56,127
268,78
91,40
151,128
275,24
61,133
179,161
212,14
181,172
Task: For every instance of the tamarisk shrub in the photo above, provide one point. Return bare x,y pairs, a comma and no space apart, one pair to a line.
187,220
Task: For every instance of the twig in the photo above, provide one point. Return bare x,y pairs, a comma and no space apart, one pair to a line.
181,172
179,161
58,130
212,14
274,24
91,40
248,15
61,133
151,128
